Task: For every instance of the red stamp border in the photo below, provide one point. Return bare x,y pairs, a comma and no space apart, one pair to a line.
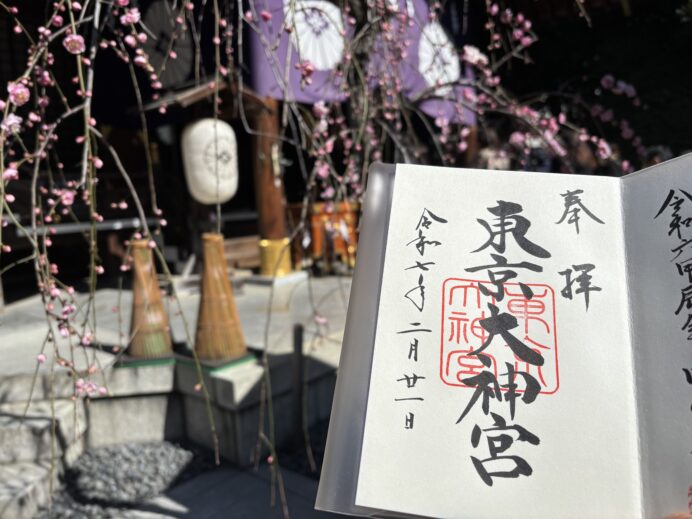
442,327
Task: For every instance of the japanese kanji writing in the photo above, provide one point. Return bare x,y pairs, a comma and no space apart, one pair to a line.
496,329
573,207
583,280
415,330
675,203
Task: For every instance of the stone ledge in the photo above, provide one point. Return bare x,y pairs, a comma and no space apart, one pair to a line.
237,386
143,378
30,439
24,487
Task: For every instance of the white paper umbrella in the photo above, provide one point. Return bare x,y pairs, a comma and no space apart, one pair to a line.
438,61
318,31
395,5
210,159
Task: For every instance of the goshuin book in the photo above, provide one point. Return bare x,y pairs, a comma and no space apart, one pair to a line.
517,345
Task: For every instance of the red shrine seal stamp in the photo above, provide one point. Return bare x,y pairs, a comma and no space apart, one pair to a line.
464,306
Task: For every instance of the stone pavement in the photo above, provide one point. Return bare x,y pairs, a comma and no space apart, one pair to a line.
227,492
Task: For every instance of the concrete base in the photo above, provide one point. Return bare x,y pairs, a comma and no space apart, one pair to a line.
235,400
141,418
283,288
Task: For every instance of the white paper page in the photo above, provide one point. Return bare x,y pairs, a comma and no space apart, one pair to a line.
585,465
659,252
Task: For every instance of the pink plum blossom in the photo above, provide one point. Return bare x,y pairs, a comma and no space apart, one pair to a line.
131,16
74,44
10,174
474,56
19,93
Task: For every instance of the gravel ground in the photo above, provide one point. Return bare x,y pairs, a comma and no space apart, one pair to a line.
105,481
108,482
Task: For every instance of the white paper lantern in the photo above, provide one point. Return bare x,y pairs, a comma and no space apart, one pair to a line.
210,160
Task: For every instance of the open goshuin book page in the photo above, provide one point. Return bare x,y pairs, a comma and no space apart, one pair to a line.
517,343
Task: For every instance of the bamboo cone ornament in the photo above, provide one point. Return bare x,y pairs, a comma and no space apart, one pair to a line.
149,326
219,333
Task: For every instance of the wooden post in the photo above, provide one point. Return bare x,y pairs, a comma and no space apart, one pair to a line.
275,255
297,396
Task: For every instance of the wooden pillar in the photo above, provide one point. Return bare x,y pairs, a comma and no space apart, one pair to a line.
275,254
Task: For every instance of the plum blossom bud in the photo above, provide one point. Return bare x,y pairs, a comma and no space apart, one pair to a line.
320,109
67,197
603,151
265,15
608,81
40,358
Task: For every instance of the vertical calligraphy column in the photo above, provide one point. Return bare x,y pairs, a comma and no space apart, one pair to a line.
415,332
488,326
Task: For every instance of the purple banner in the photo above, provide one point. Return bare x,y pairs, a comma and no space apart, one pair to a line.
430,70
295,48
